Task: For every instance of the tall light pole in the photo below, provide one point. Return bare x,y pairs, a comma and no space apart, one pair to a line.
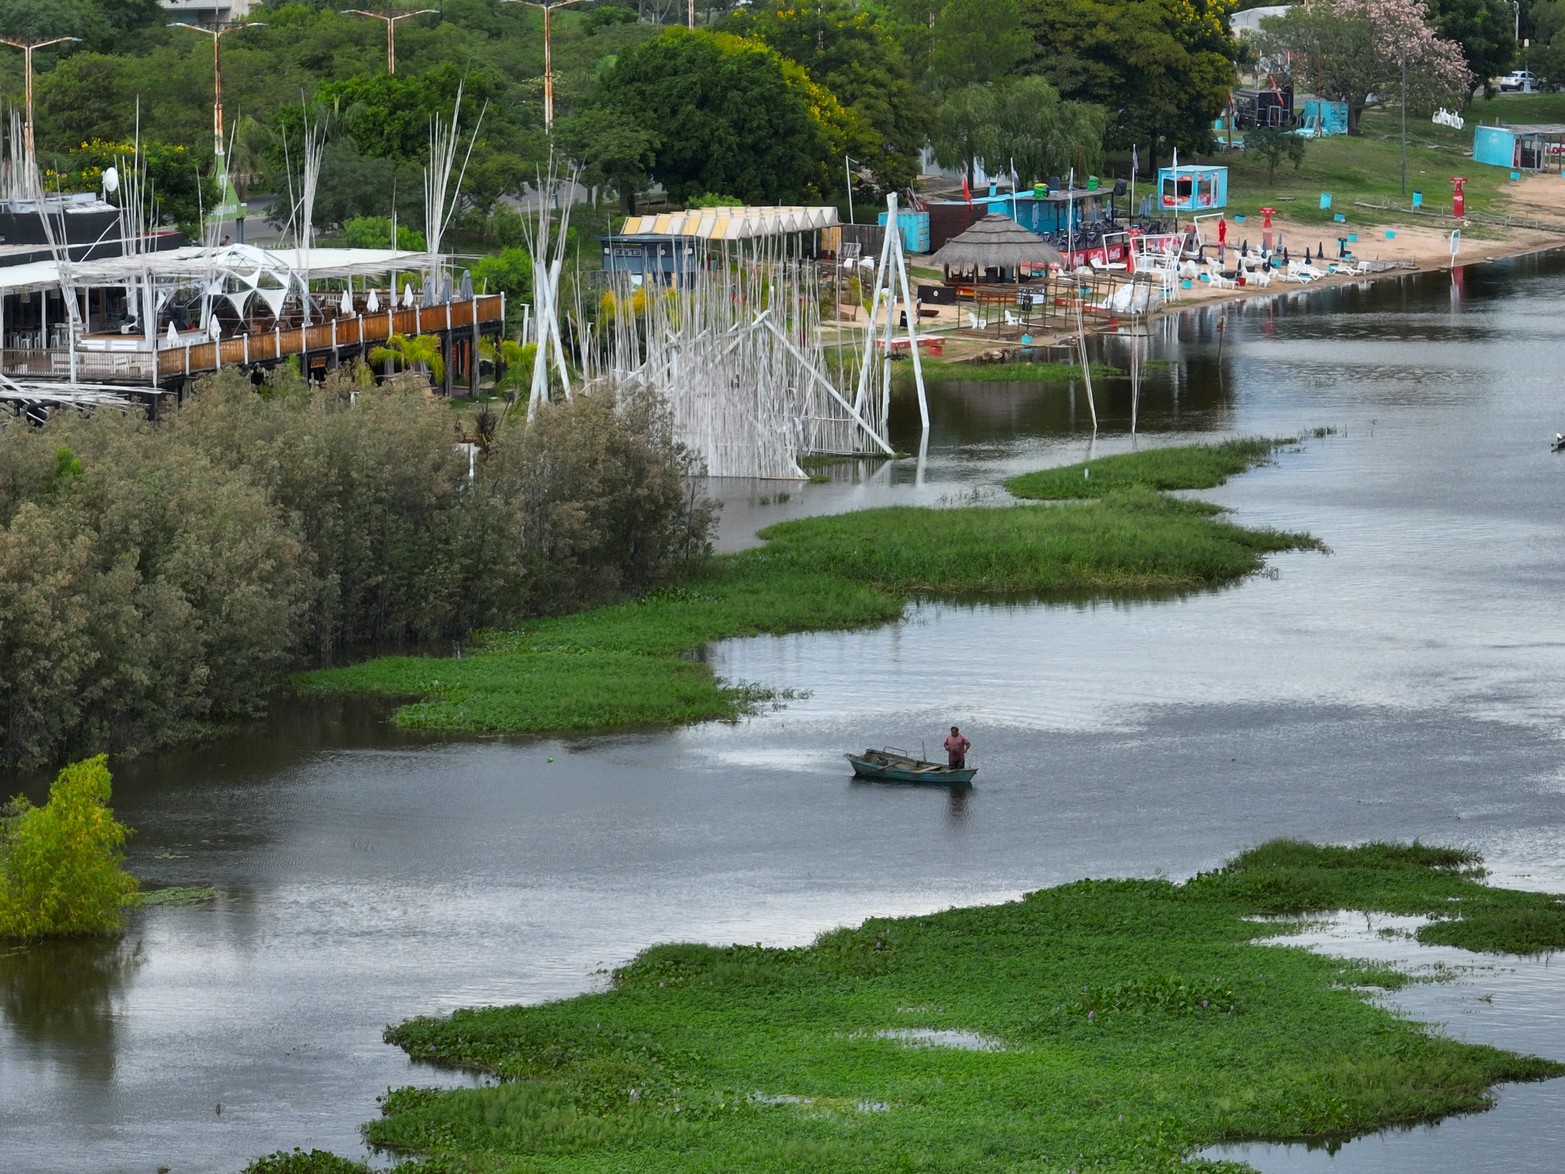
27,45
217,32
548,67
390,17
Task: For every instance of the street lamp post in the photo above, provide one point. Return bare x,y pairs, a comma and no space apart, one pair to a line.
548,67
217,32
27,45
391,18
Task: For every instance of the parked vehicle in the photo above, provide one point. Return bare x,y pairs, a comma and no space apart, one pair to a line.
1522,80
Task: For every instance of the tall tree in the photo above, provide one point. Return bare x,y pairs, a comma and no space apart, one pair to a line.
1486,31
1020,123
1346,50
611,150
977,41
1163,67
1547,55
727,117
848,52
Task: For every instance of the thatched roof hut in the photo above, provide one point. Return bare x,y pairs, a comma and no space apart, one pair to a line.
997,242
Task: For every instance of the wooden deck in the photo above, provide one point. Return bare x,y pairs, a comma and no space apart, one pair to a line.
350,334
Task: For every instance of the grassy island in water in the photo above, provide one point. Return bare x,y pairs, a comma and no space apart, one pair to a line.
1110,1025
628,666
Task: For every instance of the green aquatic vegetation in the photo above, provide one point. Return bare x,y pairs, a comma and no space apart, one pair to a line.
298,1161
1195,466
177,895
1128,1023
968,371
629,665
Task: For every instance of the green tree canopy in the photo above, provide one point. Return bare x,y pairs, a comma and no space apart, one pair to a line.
179,180
977,41
1485,30
1022,123
612,149
727,115
101,24
1162,67
850,53
1548,40
60,864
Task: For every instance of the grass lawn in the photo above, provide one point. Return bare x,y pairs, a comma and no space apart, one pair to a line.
1107,1025
629,665
1368,166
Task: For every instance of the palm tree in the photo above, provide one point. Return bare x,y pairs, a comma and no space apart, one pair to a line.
404,352
513,362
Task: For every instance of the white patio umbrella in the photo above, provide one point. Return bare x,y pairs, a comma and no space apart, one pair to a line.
372,303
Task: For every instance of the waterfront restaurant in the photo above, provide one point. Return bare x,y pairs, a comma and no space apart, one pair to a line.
157,320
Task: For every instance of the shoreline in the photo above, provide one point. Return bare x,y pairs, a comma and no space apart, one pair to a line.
1425,246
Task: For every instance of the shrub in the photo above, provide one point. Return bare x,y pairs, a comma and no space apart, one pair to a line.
60,864
603,499
160,579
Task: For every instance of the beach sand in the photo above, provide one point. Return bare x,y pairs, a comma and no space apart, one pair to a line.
1539,199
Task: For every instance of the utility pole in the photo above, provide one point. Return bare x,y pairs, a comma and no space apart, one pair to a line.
217,32
27,45
390,16
548,67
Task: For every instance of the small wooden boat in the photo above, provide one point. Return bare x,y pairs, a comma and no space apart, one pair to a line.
891,765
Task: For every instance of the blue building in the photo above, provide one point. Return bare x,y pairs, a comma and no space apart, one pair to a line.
1519,148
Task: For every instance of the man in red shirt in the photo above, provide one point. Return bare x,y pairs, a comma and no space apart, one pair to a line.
957,747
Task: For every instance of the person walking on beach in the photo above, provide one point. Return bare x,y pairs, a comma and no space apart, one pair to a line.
957,747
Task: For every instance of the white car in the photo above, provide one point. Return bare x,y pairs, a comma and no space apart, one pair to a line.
1522,79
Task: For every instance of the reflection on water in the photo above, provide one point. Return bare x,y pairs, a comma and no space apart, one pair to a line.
1407,685
62,1000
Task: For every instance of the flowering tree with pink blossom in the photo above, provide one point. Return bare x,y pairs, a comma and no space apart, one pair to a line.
1350,50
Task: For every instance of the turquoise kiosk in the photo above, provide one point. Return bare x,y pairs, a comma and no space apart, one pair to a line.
1192,188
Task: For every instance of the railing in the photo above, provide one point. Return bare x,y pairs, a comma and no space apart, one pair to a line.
27,361
350,333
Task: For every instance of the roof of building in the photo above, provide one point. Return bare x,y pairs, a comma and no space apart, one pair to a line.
996,242
732,224
201,264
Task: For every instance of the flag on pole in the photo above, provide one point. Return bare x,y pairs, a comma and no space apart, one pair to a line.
1135,162
967,192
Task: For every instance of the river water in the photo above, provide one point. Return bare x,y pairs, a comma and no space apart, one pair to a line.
1408,684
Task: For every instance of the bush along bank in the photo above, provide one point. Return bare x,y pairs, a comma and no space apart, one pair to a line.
1103,1025
628,665
164,578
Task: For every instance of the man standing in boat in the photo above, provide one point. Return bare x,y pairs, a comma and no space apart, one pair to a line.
957,747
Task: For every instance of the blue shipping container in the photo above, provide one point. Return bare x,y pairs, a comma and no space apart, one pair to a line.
915,230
